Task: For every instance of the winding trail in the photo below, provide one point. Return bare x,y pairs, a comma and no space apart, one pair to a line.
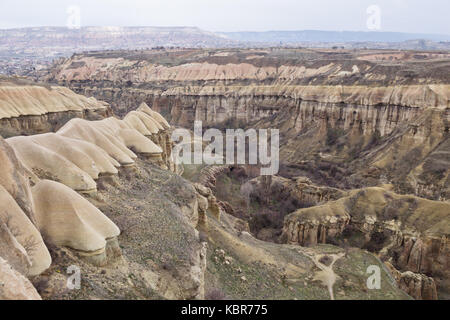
326,274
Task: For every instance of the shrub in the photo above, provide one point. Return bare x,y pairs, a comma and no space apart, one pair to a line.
375,139
333,134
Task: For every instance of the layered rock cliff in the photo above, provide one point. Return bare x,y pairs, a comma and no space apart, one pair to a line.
136,230
339,106
29,108
374,135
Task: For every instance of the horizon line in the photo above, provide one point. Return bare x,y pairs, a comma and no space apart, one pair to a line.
239,31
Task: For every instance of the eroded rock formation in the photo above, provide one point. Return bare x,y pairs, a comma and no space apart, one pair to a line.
418,286
28,108
410,232
350,122
380,120
60,216
33,208
82,151
14,286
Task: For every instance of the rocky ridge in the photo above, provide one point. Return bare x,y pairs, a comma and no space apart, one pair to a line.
30,108
35,209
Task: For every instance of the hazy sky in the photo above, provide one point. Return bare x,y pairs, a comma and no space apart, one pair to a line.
418,16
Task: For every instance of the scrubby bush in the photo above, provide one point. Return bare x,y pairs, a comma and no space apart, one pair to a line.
333,134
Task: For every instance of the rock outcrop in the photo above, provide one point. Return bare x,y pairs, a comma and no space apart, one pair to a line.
207,203
82,151
409,231
14,286
39,201
418,286
59,215
302,66
209,174
28,108
22,245
66,219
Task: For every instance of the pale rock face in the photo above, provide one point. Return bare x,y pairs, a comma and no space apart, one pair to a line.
115,136
129,136
22,245
83,130
20,101
143,122
160,120
83,150
67,148
14,177
67,219
136,141
415,96
66,158
379,108
135,122
155,119
47,163
32,109
14,286
12,251
232,69
25,237
76,155
85,155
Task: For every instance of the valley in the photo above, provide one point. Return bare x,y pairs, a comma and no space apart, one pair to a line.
359,124
363,181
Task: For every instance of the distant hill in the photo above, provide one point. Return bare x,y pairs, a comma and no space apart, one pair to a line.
24,50
330,36
110,37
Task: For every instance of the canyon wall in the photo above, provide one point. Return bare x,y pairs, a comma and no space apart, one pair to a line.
248,85
31,108
104,196
381,121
